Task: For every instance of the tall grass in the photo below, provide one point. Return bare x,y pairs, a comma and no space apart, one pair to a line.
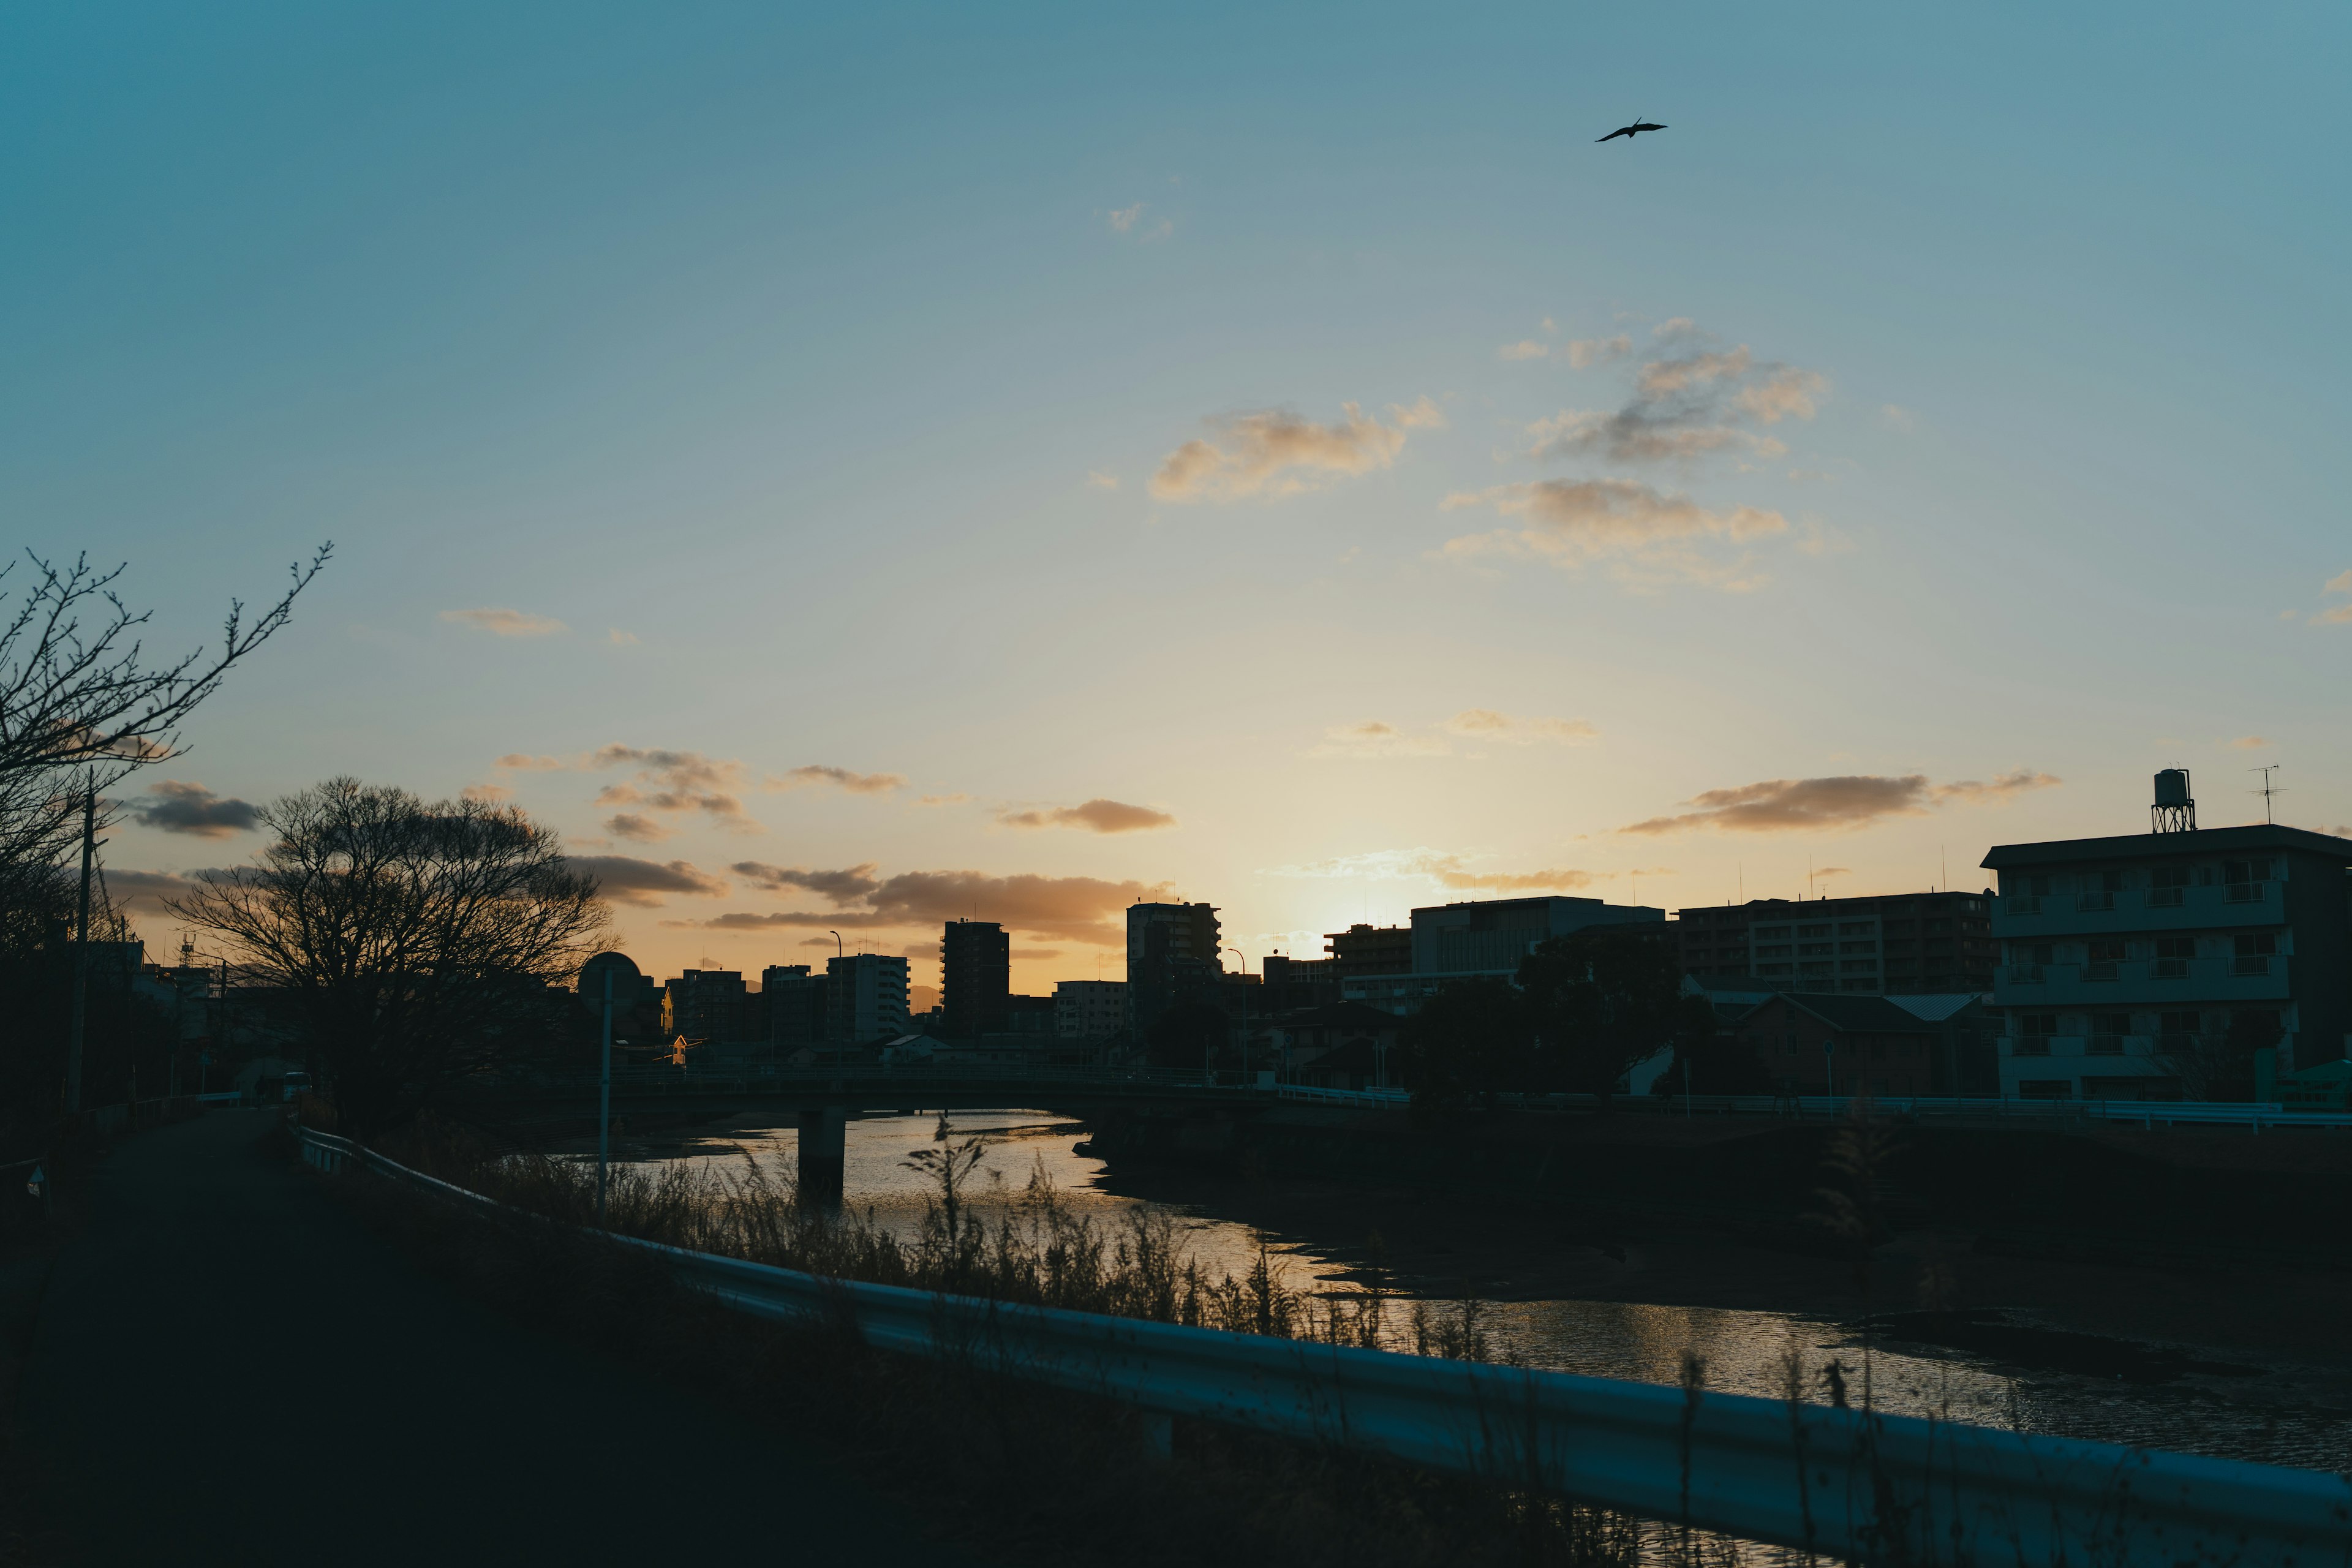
1035,1248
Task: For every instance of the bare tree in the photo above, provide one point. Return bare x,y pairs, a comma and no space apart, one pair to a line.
412,943
79,705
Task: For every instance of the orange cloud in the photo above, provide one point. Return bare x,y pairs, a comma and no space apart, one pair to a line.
1094,816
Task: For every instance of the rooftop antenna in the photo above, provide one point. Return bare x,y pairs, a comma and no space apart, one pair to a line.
1943,871
2267,790
1809,873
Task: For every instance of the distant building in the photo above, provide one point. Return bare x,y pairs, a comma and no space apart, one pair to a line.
1363,950
708,1006
1171,957
794,1003
2125,958
976,968
1846,1044
865,997
1489,936
1894,944
1090,1009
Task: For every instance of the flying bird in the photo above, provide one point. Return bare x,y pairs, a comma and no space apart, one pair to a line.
1630,131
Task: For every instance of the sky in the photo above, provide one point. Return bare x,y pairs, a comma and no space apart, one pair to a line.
851,469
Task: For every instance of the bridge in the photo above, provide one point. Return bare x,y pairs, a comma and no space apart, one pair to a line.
823,1098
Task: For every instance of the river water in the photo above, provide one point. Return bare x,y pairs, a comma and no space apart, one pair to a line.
2229,1406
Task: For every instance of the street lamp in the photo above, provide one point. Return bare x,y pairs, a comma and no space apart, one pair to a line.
1237,952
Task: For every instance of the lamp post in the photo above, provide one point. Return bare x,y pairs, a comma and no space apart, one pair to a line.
1237,952
605,1101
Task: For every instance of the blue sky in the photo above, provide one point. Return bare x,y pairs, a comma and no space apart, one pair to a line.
821,375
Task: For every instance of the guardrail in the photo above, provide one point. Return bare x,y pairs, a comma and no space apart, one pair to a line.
876,1080
1818,1478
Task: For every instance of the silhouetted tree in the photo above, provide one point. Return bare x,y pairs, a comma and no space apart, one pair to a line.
79,706
1472,1037
1709,1061
1600,1000
1189,1035
2221,1067
412,943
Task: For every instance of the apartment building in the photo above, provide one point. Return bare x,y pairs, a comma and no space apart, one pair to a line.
2126,960
1892,945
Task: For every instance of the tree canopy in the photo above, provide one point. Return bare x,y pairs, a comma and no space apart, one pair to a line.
412,943
1600,1000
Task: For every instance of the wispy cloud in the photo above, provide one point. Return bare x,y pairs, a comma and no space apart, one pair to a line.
848,885
817,774
2246,744
1834,803
1377,738
671,781
1644,537
1446,868
1683,407
954,798
626,880
635,827
1486,724
619,639
487,793
2339,614
501,621
181,806
1095,817
1275,453
1129,221
1097,480
1064,909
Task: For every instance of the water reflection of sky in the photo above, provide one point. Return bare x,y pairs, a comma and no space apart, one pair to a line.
2266,1419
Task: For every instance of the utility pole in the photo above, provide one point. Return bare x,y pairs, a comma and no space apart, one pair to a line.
605,1102
81,952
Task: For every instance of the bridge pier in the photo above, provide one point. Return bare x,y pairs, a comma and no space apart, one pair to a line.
824,1149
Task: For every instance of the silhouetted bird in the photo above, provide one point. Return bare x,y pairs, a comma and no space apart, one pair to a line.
1629,132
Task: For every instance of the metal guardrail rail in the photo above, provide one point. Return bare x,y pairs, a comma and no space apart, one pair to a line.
912,1079
1818,1479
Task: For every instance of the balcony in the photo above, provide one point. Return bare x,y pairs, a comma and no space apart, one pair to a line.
2168,983
2223,905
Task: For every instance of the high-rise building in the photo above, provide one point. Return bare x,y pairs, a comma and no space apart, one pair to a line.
1370,950
976,970
1894,944
1172,956
865,997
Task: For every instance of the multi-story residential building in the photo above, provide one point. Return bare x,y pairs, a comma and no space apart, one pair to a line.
708,1006
794,1000
865,997
1172,956
1485,936
976,970
1896,944
1489,936
1363,950
1090,1009
2126,960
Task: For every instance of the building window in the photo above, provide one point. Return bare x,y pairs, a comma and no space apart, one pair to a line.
1857,947
2253,953
1815,948
2104,953
1856,928
1813,930
2108,1032
1857,966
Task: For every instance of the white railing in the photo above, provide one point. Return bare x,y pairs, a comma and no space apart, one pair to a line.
1818,1479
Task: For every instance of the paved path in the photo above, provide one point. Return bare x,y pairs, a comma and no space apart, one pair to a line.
228,1369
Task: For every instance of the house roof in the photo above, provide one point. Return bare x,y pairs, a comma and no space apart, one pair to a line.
2142,845
1935,1008
1874,1014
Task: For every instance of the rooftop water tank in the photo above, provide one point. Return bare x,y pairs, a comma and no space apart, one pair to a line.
2172,787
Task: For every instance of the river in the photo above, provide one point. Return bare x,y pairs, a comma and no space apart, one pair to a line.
2226,1404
